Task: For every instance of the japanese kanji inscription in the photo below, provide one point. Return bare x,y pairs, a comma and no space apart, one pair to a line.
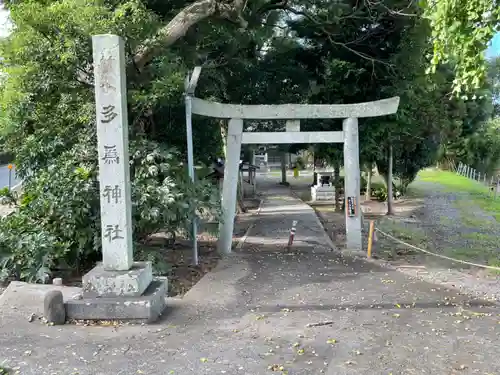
112,139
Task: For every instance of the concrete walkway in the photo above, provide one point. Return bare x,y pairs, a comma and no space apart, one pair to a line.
251,315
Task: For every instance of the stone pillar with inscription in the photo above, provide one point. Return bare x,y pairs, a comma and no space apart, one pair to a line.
117,288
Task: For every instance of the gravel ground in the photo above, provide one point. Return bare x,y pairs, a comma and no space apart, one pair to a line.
449,224
454,213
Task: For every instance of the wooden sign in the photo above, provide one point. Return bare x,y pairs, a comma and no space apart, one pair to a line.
351,206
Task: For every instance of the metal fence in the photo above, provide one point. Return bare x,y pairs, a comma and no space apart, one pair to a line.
491,182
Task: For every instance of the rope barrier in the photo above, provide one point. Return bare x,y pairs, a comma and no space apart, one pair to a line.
434,254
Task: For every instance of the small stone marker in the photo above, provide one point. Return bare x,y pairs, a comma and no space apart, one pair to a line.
53,307
57,281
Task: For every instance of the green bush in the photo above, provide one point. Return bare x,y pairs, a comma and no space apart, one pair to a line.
60,227
379,192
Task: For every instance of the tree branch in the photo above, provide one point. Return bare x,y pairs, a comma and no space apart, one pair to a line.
330,38
182,22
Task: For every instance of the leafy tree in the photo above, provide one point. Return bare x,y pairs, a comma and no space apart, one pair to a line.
461,30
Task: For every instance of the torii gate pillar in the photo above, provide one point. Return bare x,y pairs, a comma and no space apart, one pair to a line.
352,184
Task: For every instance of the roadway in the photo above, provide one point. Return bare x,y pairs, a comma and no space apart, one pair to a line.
4,177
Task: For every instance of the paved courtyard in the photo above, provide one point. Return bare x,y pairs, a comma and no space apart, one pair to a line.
267,310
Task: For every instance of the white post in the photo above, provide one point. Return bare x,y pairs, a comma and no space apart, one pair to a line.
189,135
112,140
190,86
352,184
230,186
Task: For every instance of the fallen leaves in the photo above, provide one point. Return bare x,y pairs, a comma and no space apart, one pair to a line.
331,341
276,367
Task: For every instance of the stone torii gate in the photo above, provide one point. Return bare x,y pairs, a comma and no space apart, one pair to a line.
292,113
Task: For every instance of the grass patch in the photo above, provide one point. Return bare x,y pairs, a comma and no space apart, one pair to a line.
495,262
478,193
481,237
406,232
475,247
475,222
445,220
403,231
464,253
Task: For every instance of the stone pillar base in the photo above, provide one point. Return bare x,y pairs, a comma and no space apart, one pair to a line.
99,282
130,295
146,308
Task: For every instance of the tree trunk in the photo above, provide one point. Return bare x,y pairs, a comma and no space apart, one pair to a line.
368,193
283,168
389,184
336,182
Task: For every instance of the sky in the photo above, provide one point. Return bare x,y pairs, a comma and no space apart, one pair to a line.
4,21
494,48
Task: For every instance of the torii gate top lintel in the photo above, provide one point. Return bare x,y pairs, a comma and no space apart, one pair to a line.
376,108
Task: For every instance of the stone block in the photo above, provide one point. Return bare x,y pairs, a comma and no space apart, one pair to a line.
99,282
144,309
53,307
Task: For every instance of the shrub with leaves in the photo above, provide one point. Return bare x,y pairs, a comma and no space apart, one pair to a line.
47,119
58,220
